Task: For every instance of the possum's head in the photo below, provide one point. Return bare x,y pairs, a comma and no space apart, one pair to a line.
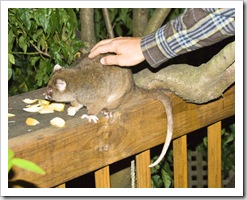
57,86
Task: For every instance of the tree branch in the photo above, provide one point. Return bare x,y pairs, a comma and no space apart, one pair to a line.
156,20
39,51
194,84
108,23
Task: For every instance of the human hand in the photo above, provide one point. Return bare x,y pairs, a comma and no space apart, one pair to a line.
127,51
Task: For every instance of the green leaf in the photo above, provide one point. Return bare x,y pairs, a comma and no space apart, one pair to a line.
156,181
11,38
205,141
33,60
10,72
72,19
119,30
26,15
25,164
23,43
41,44
167,180
42,17
11,58
10,156
37,35
229,139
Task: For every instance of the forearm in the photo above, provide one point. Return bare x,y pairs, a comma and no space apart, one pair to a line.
194,29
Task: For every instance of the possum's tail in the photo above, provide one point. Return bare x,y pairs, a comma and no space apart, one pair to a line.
168,107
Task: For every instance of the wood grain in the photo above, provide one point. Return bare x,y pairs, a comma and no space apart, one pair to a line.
81,147
102,177
180,162
143,172
214,156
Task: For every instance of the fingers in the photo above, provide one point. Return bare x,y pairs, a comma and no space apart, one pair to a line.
101,47
110,60
127,51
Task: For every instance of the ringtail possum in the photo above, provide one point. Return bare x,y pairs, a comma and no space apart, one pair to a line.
102,88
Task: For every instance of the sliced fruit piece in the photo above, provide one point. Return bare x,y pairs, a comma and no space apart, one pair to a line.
31,121
46,110
58,122
33,108
57,106
44,102
29,101
11,115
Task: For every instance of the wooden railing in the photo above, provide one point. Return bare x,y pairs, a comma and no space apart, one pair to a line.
81,147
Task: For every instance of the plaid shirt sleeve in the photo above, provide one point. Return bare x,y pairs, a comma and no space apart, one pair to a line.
194,29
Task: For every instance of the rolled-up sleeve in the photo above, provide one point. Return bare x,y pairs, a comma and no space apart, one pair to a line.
194,29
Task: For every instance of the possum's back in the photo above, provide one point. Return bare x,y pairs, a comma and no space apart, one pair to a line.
111,82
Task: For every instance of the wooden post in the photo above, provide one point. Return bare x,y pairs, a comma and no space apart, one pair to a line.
180,162
102,178
214,155
143,172
63,185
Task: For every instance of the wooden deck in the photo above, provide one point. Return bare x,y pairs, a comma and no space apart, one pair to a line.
81,147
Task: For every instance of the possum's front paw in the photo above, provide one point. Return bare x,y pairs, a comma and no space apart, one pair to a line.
90,118
71,111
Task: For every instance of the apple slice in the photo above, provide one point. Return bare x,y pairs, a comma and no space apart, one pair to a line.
29,101
57,106
10,115
31,121
33,108
58,122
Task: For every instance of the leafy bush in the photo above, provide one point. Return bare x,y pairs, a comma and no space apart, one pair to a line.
37,40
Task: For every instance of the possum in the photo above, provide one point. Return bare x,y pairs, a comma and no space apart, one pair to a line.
102,88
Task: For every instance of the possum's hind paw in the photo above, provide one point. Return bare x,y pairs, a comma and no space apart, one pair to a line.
90,118
107,114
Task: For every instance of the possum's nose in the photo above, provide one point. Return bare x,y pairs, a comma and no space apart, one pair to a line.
48,93
47,97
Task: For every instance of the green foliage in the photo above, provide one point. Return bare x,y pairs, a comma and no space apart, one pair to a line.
228,149
37,40
121,20
162,174
25,164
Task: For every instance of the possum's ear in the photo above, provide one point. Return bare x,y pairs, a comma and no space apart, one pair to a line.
61,85
56,67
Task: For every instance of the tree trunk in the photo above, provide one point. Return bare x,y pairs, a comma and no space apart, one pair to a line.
140,20
87,29
156,20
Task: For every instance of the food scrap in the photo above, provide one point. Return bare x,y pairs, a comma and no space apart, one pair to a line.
43,106
10,115
31,121
58,122
29,101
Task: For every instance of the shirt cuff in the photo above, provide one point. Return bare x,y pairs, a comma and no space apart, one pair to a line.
151,51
